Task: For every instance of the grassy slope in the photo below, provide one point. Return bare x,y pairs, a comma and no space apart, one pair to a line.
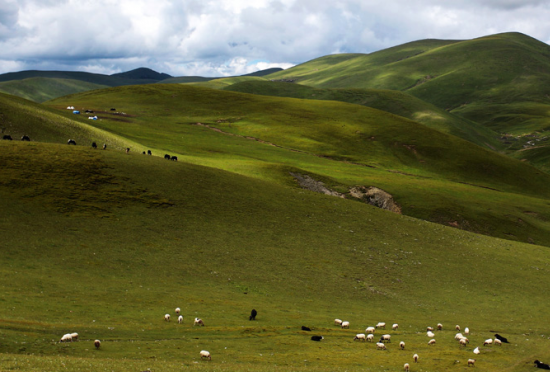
395,102
433,176
43,89
142,236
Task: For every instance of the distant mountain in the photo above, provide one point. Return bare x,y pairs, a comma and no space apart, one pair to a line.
265,72
142,73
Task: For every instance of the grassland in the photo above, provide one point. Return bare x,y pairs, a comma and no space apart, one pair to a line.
104,244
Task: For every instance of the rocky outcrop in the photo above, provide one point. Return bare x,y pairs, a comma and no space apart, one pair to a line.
317,186
375,196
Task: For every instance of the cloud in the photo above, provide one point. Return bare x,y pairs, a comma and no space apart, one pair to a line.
224,37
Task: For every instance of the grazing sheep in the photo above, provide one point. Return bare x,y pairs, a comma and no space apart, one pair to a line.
430,334
385,338
476,350
360,336
7,137
395,327
317,338
458,336
149,152
370,337
457,327
97,344
174,158
25,138
74,336
415,357
253,314
439,326
541,365
498,342
381,346
489,341
503,339
466,331
406,367
178,310
402,345
381,325
66,338
431,342
104,146
167,317
345,324
166,156
180,319
205,355
463,341
71,142
198,321
127,150
304,328
429,329
338,322
370,330
94,145
471,362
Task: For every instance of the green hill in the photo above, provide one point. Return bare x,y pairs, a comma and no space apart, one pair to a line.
395,102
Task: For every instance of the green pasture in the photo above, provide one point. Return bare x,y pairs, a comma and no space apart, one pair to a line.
105,243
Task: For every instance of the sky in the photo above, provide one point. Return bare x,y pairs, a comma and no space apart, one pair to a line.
233,37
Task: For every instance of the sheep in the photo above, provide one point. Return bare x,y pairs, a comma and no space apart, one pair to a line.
430,334
381,325
198,321
167,317
127,150
431,342
205,355
395,327
429,329
463,341
476,350
338,322
178,310
439,326
180,319
489,341
370,337
345,324
370,330
253,314
74,336
71,142
471,362
380,346
385,338
360,336
402,345
317,338
503,339
457,327
466,331
94,145
97,344
415,357
406,367
104,146
458,336
304,328
66,338
541,365
498,342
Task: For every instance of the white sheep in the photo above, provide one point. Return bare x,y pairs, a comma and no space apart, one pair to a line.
489,341
370,330
380,345
463,341
338,322
66,338
395,326
471,362
205,355
466,331
498,342
381,325
167,317
476,350
345,324
178,310
415,357
370,337
198,321
430,334
429,329
439,326
74,336
360,336
402,345
457,327
97,344
180,319
431,342
406,367
458,336
385,338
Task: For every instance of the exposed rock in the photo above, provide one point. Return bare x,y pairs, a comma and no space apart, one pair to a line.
375,196
317,186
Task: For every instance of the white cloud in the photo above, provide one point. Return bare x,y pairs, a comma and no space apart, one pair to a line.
224,37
